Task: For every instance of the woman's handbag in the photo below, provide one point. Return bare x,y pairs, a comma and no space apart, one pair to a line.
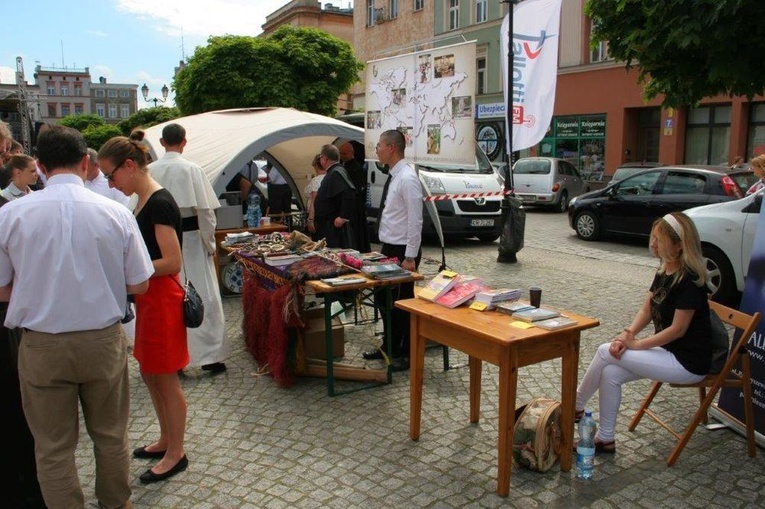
193,307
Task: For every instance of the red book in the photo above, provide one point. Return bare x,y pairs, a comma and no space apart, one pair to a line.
464,290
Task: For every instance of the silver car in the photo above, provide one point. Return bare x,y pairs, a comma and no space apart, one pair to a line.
547,181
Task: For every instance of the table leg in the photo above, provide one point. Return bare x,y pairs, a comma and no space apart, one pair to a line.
476,367
508,386
570,365
388,329
416,369
328,344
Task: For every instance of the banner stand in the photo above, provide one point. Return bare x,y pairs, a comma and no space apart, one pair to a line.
731,422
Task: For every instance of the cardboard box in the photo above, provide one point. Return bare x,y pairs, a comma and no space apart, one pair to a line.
313,335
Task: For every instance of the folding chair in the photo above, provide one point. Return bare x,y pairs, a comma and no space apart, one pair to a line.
738,356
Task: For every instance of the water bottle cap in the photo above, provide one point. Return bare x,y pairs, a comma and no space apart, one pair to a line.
588,413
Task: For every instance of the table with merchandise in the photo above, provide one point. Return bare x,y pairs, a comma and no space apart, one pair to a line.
487,334
279,270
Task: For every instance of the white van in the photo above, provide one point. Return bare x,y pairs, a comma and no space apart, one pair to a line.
460,217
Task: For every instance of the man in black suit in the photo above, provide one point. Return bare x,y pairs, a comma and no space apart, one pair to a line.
358,176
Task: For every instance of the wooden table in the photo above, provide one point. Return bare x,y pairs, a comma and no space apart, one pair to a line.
332,293
488,336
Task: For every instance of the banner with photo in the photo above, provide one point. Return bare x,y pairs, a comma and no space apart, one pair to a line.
535,69
429,96
753,300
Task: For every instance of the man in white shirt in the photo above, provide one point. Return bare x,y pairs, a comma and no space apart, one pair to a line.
400,234
279,192
68,260
192,191
96,182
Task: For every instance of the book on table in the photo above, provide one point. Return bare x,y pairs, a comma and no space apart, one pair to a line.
494,295
282,260
510,307
344,280
535,314
558,322
463,290
438,286
385,271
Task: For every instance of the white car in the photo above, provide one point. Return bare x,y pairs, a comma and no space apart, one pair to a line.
727,233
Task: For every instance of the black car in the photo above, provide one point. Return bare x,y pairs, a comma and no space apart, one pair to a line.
630,206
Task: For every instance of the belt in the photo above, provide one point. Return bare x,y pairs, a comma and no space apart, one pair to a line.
190,224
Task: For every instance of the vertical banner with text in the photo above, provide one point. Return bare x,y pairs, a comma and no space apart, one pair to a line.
535,69
753,300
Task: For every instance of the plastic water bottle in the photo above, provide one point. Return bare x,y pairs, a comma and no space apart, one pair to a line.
585,448
253,210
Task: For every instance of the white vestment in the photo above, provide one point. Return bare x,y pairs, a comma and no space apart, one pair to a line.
194,194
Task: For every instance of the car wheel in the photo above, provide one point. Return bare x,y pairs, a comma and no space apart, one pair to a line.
563,203
587,226
488,237
721,280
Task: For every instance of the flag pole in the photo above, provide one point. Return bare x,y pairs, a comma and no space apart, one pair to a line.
507,243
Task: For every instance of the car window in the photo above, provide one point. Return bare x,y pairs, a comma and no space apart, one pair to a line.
534,167
638,185
563,168
744,180
683,183
572,170
623,173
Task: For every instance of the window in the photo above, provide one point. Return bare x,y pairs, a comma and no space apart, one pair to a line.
64,89
639,185
600,53
707,135
481,8
393,6
112,111
100,93
124,94
51,87
101,109
78,109
124,110
371,13
52,109
112,93
756,142
454,14
683,183
65,110
77,90
419,4
480,66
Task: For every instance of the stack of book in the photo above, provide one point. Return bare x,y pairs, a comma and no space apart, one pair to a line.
463,290
281,260
438,286
509,307
385,271
492,296
535,314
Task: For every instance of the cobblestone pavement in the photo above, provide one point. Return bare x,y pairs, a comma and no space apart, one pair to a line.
252,444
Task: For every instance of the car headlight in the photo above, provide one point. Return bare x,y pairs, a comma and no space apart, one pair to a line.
434,184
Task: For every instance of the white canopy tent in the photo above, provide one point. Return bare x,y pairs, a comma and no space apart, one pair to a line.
222,142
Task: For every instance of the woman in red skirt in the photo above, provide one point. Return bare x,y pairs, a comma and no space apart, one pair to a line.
160,337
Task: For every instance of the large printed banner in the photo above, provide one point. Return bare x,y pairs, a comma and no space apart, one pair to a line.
535,69
753,300
429,96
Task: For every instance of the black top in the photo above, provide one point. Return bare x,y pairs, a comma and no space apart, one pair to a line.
160,208
694,349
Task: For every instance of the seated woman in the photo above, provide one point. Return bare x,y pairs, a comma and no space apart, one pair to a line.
680,348
23,173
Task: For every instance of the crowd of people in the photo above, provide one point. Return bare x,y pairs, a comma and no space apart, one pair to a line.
65,294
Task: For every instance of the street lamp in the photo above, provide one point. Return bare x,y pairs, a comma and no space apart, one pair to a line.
145,93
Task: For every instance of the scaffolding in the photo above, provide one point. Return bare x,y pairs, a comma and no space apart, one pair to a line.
26,125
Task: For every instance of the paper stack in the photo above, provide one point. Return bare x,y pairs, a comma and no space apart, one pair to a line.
492,296
438,286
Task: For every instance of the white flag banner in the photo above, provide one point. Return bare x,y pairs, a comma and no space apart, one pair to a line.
535,70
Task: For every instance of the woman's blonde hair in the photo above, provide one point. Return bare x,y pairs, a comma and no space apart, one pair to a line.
690,256
758,161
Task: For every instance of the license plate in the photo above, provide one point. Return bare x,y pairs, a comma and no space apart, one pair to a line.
481,222
526,197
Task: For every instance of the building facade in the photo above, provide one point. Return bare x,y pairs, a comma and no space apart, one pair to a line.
600,118
114,102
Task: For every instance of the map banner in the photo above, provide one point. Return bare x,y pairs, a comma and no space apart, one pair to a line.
429,96
535,69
